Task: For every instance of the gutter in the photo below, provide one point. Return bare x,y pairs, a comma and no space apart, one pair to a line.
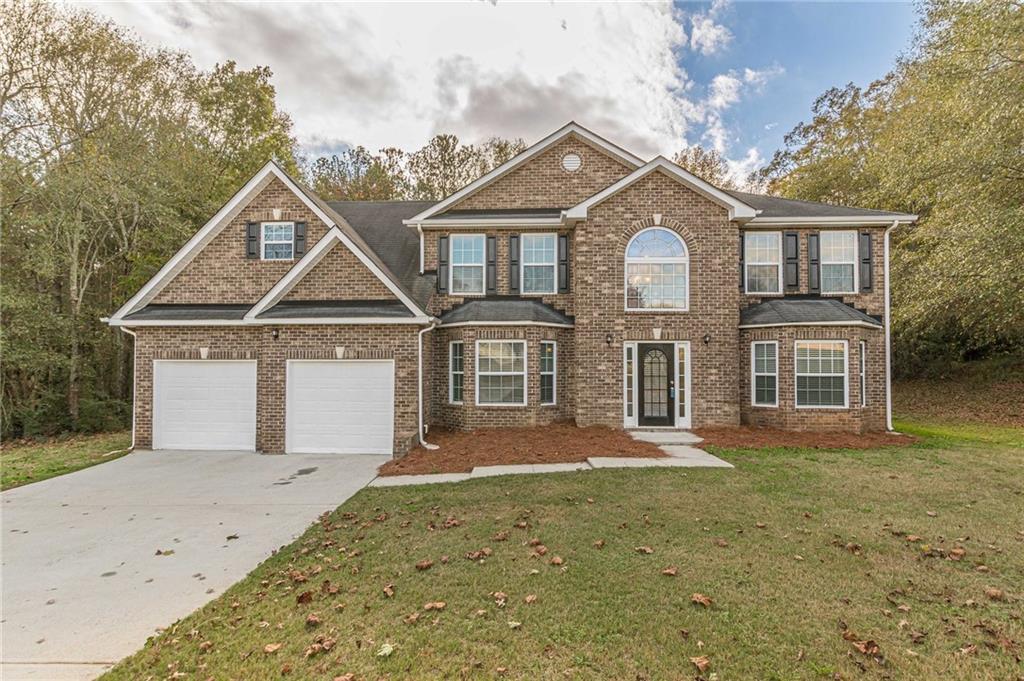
419,385
419,228
135,358
888,332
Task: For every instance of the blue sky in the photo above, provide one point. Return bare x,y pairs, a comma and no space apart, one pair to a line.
653,77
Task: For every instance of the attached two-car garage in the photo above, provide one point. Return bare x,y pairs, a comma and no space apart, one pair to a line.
331,406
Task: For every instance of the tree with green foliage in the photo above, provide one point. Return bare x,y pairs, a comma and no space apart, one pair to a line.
707,164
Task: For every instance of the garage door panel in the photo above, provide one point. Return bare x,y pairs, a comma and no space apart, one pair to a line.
340,407
204,405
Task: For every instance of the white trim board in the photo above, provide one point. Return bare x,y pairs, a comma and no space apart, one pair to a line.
549,324
738,210
281,321
835,221
776,324
571,128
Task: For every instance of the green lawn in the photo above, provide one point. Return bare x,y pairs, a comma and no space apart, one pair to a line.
793,548
21,464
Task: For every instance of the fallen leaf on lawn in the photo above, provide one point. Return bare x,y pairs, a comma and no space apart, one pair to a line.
389,590
345,677
913,538
534,542
800,655
956,554
477,555
232,536
853,548
868,647
165,552
521,525
286,670
701,663
995,594
599,544
670,571
435,605
424,564
760,526
721,542
312,620
643,549
798,557
685,633
968,649
903,607
532,598
514,625
540,550
500,536
557,560
981,568
304,597
930,514
385,650
411,618
500,598
590,500
701,599
272,647
205,645
918,636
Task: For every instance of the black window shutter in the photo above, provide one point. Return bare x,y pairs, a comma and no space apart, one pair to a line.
513,264
791,249
442,264
865,261
743,275
492,266
252,240
813,264
563,263
300,239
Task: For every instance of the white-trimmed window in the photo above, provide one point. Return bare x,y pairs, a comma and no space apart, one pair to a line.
501,372
839,262
539,263
467,264
863,373
277,240
657,271
548,365
821,369
764,374
456,371
762,262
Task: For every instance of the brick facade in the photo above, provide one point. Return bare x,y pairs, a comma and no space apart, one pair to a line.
340,275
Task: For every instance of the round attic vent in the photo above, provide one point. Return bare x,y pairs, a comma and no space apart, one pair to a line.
571,162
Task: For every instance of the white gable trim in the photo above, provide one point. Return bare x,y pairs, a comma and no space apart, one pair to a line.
737,209
310,260
541,146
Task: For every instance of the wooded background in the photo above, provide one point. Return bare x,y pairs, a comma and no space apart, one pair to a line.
114,153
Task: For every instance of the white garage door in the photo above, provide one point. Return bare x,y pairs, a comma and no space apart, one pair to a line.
343,407
204,405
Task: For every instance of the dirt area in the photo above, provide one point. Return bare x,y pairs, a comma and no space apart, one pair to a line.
998,403
748,437
460,452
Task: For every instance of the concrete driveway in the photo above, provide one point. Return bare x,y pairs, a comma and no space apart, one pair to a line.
83,585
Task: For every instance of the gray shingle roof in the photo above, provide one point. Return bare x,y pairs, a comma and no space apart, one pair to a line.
508,310
171,312
777,207
306,309
782,311
499,213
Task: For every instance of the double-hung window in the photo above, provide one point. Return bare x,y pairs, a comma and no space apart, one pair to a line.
539,262
821,374
456,372
467,258
277,240
548,367
764,362
501,372
762,262
839,262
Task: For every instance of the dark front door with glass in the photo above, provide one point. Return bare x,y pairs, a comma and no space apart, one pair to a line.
656,385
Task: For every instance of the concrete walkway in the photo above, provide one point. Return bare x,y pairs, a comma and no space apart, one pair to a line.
83,585
676,444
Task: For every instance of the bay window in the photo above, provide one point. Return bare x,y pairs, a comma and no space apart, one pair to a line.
501,372
764,372
821,369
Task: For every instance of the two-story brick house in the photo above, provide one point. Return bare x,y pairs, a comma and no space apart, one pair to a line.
576,281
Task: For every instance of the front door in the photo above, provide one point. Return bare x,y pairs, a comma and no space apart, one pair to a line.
656,385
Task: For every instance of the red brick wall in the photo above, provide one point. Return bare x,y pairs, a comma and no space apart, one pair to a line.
786,415
339,276
220,272
541,182
398,342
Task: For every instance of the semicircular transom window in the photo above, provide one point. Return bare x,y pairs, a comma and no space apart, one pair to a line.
657,271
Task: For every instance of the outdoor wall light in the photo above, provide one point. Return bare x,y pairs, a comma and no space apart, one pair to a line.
707,339
609,338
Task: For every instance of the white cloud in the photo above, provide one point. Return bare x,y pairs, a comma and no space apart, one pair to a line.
724,91
739,169
707,35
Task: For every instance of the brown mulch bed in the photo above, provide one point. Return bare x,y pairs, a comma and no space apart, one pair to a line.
749,437
460,452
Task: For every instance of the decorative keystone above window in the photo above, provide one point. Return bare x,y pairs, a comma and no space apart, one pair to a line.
571,163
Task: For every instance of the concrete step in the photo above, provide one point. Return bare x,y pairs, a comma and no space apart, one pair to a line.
666,437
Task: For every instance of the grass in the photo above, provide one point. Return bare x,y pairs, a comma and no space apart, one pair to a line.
832,556
22,463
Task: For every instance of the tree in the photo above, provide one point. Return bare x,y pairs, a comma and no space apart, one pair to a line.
358,175
707,164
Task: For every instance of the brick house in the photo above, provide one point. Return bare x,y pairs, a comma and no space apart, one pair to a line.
576,281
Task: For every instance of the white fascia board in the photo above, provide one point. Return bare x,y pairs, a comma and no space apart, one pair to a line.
507,223
265,322
193,245
738,210
548,324
839,221
780,324
519,159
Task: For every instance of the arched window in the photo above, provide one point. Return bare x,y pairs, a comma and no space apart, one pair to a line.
657,271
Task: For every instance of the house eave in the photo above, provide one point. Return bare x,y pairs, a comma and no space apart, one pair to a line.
838,221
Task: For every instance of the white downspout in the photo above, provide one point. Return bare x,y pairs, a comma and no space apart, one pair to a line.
888,332
419,381
419,228
135,358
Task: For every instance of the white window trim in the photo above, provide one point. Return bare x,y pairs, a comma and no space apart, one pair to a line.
754,375
553,373
451,267
451,373
263,240
845,374
524,373
863,383
683,415
626,261
747,264
855,263
522,265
